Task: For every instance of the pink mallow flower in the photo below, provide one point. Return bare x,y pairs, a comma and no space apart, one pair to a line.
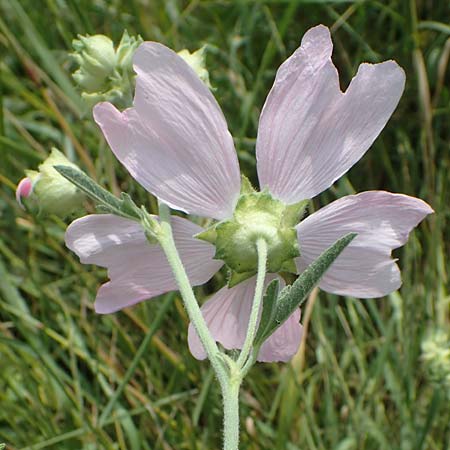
174,141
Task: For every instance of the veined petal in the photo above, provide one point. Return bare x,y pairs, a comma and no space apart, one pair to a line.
175,140
227,314
284,343
310,133
138,270
365,268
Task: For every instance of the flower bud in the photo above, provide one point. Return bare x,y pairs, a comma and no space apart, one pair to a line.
105,74
97,60
49,190
24,190
197,62
125,51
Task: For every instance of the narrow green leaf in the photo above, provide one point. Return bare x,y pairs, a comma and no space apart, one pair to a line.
268,311
108,202
293,296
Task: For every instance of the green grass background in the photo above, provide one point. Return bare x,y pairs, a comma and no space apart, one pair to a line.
358,382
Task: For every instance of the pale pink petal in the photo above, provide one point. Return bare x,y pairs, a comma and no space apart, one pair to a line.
284,343
365,268
24,189
138,270
227,313
175,140
310,133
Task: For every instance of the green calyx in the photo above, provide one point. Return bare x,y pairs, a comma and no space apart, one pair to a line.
257,215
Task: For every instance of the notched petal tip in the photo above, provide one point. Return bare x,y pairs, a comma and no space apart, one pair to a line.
105,112
102,307
425,208
365,269
310,132
106,299
174,141
72,234
149,49
320,34
389,75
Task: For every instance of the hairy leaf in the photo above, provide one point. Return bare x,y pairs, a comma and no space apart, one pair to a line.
275,313
107,202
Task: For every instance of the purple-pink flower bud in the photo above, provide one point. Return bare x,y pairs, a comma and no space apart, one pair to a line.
24,189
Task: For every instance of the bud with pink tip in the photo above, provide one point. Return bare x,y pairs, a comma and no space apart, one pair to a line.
49,190
24,189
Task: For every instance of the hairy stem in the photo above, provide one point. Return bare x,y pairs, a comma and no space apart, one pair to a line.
229,373
230,395
165,238
261,247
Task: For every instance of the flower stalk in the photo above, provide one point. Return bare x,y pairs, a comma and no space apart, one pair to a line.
261,247
165,239
230,395
230,373
267,313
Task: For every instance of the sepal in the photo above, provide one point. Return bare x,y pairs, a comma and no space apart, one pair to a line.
246,185
293,213
289,266
208,235
257,215
236,278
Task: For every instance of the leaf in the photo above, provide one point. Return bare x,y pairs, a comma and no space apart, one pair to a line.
122,206
268,310
292,297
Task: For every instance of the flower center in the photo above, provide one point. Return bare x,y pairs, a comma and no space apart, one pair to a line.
257,215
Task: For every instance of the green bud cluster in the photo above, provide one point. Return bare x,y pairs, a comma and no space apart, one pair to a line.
105,73
257,215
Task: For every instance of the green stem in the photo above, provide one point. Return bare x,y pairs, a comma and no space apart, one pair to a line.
229,372
230,394
250,361
165,238
261,247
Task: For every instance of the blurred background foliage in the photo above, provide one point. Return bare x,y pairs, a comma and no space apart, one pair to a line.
71,379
